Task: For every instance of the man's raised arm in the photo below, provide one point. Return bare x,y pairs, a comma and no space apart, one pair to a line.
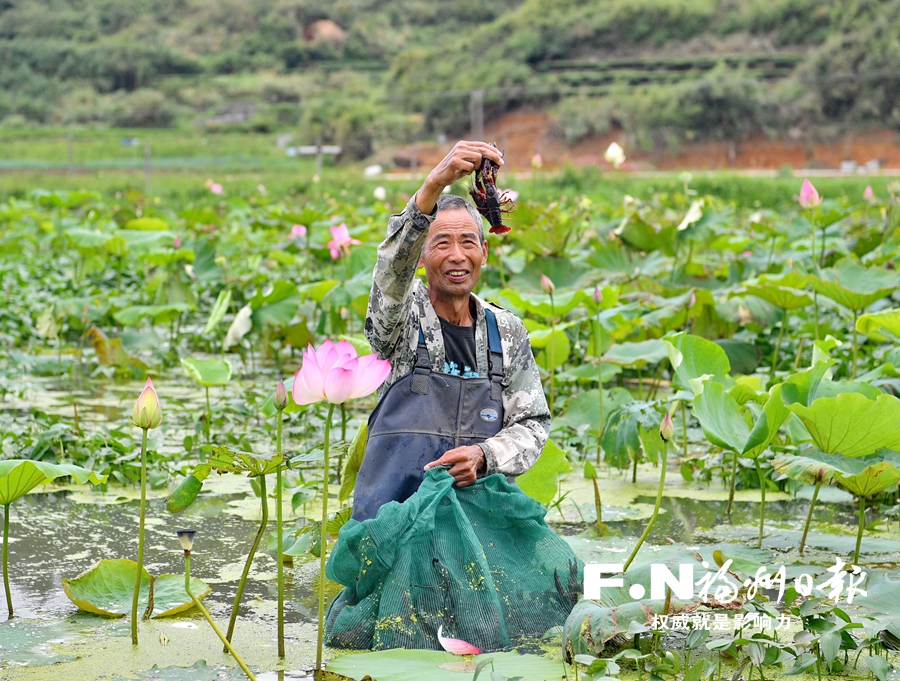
398,255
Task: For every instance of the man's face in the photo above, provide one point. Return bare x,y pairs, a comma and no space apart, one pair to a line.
453,255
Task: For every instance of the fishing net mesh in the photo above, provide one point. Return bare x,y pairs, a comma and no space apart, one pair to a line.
478,560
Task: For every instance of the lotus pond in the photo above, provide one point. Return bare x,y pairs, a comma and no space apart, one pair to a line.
762,343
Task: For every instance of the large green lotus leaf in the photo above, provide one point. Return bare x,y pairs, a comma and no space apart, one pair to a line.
539,305
588,372
869,324
170,597
780,296
773,415
108,587
208,372
742,357
168,256
19,476
160,314
637,354
583,410
851,424
882,595
141,243
217,314
555,349
433,665
199,671
855,287
541,481
33,642
276,307
863,476
147,224
692,357
721,418
801,388
592,624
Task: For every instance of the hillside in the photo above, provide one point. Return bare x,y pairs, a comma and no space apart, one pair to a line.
371,73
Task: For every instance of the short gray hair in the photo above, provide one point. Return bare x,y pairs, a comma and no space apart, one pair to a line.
454,202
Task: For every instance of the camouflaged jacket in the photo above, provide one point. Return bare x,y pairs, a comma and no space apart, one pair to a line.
399,302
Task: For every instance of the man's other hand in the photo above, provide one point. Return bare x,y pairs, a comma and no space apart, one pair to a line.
465,462
462,160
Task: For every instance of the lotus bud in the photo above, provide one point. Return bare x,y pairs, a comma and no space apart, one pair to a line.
147,413
176,243
868,194
281,396
536,161
186,537
598,295
666,428
547,285
380,193
614,155
809,197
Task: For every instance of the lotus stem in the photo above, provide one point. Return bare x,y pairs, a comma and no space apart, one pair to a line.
862,525
597,502
731,486
816,313
9,604
208,415
140,556
259,533
812,505
600,385
778,343
762,503
340,463
855,344
684,425
201,608
279,539
550,353
322,542
659,495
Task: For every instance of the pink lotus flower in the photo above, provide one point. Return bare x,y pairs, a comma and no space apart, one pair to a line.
215,188
869,195
298,231
809,197
341,241
547,284
176,243
537,161
456,645
336,374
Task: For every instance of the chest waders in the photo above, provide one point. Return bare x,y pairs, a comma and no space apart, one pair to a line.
421,416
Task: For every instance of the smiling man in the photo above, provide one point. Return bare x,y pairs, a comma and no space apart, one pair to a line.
464,389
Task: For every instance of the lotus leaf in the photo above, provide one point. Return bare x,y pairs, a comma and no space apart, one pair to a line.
637,354
416,665
852,424
780,296
107,588
208,372
855,287
224,460
160,314
539,304
863,476
889,320
742,357
20,476
593,623
583,410
721,418
217,314
277,306
773,415
541,481
148,224
170,598
692,356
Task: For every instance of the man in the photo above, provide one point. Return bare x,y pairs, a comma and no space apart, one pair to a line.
464,390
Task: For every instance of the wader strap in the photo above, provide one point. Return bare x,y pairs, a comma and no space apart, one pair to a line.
495,355
422,369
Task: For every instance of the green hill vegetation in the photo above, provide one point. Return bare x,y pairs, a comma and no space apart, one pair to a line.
364,73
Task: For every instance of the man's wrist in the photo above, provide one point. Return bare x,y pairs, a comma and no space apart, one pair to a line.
428,194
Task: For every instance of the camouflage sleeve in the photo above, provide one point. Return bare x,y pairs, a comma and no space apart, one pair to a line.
526,417
395,272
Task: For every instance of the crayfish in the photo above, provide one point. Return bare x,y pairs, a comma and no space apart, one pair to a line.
491,203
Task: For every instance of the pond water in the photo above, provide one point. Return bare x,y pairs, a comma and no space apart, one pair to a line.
59,532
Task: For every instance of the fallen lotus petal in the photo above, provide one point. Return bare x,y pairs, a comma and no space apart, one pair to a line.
455,645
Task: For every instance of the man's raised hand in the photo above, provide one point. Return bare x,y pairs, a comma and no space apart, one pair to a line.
465,464
462,160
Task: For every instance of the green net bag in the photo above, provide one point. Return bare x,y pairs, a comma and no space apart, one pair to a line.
478,560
